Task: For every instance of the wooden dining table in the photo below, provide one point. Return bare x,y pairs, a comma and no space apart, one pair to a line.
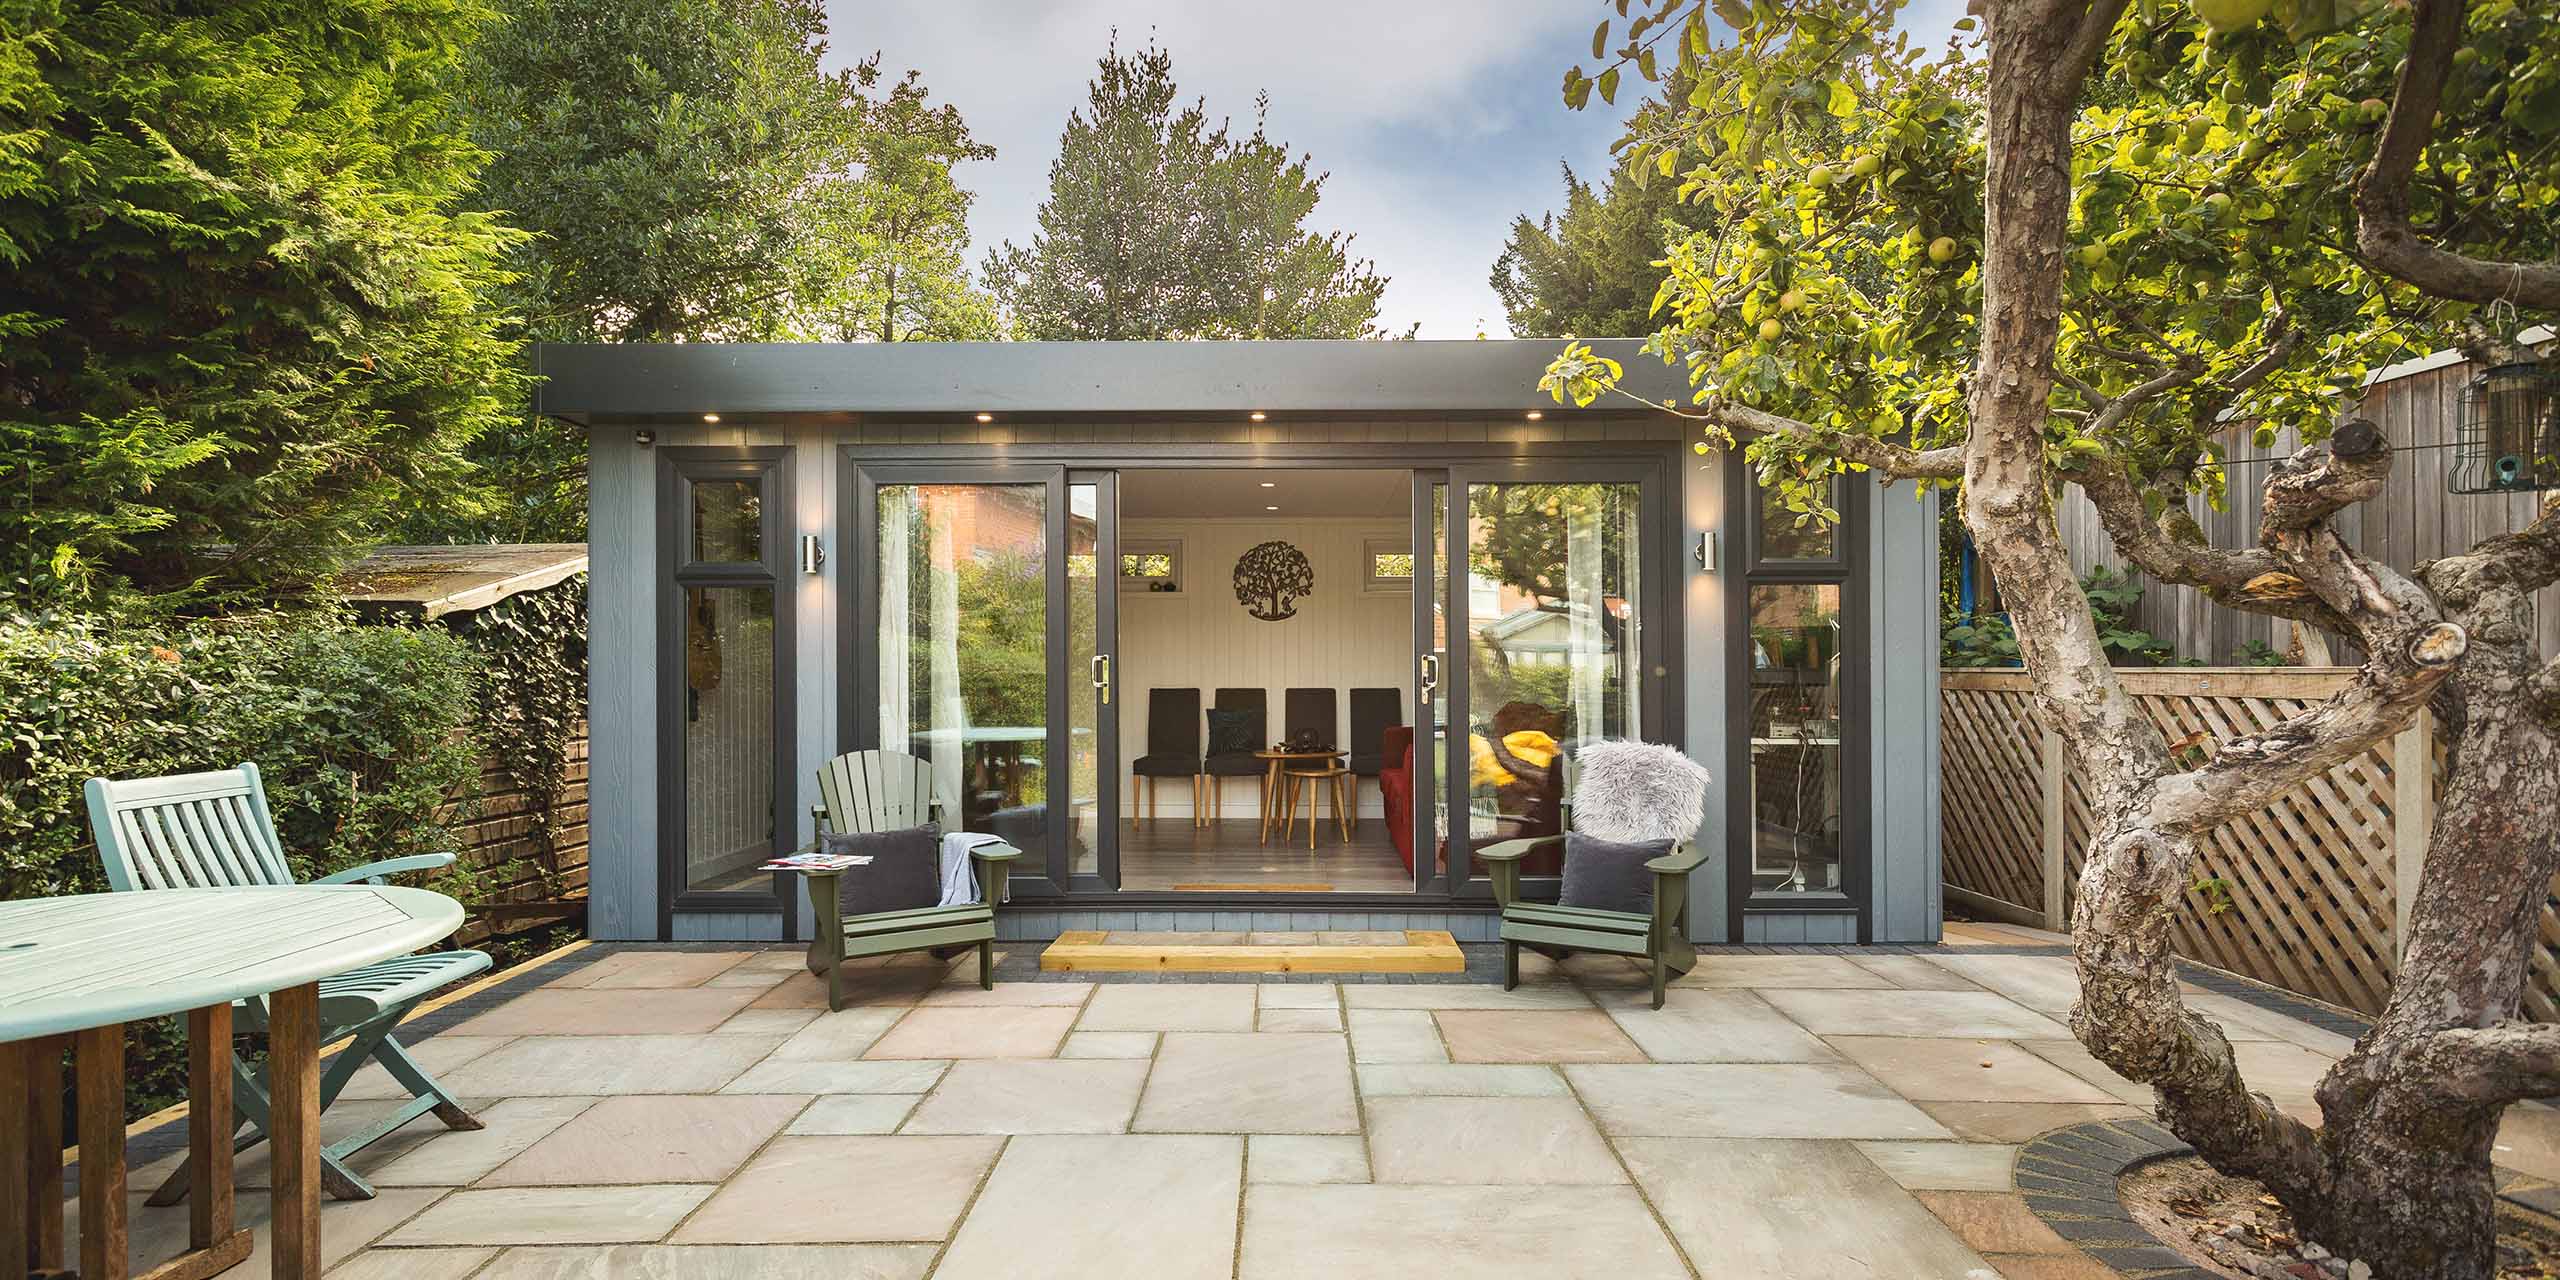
1277,759
75,970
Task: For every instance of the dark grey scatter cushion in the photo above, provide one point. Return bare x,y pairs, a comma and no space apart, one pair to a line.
905,872
1232,732
1604,876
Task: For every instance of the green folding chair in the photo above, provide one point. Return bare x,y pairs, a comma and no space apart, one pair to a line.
214,830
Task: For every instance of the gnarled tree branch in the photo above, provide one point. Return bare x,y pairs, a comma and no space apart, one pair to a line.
2172,549
2505,1063
2384,236
1898,461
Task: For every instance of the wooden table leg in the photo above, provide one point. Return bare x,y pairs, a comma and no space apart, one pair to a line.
103,1255
210,1125
17,1155
1271,802
43,1109
293,1129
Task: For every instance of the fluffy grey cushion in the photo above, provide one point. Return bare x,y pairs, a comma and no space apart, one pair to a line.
1637,792
1605,876
905,872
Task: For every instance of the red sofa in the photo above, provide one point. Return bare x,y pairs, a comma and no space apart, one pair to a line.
1395,786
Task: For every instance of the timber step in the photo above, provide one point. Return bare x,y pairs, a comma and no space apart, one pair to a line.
1364,951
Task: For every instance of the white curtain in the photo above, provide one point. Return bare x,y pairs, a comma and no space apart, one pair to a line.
950,717
897,509
1586,610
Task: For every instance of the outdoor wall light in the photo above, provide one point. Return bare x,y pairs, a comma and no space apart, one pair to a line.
813,556
644,438
711,417
1706,552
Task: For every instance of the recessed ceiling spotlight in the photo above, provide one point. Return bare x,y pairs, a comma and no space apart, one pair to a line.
986,417
1535,414
1271,508
1270,484
711,417
1257,415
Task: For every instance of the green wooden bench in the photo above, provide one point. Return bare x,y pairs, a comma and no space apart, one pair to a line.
1661,940
214,830
874,791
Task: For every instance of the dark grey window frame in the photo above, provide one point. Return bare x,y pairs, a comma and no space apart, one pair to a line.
679,468
1847,570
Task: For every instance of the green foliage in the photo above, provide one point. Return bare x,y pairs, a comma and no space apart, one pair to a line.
2258,653
692,171
1839,284
246,318
1977,640
1159,224
2113,598
532,654
1592,270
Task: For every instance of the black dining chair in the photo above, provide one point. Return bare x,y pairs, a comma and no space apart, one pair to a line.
1373,712
1302,710
1232,756
1173,745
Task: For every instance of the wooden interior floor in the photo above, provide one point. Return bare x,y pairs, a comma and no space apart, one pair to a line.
1168,852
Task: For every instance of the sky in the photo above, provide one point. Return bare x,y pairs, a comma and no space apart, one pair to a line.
1440,121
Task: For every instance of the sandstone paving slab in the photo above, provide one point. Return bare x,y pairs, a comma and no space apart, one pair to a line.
1720,970
1487,1141
552,1215
1169,1006
2016,1122
651,1138
1249,1082
975,1033
1109,1044
2074,1057
1793,1210
840,1113
1915,973
1463,995
2241,1020
1306,1158
2529,1141
253,1169
411,1264
2046,984
849,1189
714,1262
564,1066
1994,1222
1458,1080
881,985
911,1075
835,1037
1588,968
438,1054
589,1012
1944,1166
1747,1100
1378,1232
465,1156
1298,1020
1032,1096
1965,1070
767,1022
1558,1035
1097,1207
1696,1025
1970,1015
1298,995
968,994
154,1236
625,970
1395,1035
2286,1073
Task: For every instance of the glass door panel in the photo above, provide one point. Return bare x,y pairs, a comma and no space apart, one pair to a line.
728,736
1795,725
1550,612
963,659
1089,804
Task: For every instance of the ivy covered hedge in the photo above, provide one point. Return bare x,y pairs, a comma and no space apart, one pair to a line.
361,732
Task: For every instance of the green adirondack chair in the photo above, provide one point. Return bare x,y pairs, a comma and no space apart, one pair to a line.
214,830
871,791
1661,939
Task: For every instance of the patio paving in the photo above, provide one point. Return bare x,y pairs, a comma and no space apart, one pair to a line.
692,1114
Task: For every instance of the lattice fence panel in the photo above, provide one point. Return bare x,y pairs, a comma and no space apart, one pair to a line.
1990,766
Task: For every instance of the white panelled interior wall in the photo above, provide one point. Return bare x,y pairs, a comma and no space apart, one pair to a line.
1202,638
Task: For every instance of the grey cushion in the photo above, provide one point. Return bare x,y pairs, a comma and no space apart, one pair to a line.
1232,732
905,872
1604,876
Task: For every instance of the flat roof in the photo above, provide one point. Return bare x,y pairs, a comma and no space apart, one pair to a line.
584,381
432,581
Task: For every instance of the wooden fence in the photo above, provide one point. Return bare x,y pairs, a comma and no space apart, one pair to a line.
2315,881
518,880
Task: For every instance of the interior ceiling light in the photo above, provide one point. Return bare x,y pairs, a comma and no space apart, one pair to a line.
986,417
1271,508
1535,414
711,417
1256,415
1270,484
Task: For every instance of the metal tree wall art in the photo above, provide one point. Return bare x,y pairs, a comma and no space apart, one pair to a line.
1270,577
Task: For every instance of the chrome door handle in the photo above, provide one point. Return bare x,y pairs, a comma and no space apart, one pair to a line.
1430,677
1102,676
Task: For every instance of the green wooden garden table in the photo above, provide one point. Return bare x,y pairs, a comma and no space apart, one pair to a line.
75,970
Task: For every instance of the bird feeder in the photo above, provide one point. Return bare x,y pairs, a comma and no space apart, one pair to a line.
2510,433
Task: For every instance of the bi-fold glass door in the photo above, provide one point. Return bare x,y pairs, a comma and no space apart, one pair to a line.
982,642
1552,582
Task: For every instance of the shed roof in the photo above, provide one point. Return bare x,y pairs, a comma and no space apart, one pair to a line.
430,582
585,382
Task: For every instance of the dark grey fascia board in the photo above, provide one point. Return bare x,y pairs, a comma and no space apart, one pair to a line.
582,380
